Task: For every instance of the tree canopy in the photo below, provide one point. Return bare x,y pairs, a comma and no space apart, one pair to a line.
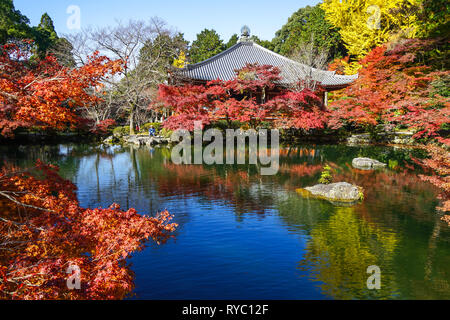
239,100
365,24
13,24
301,26
233,40
15,27
207,45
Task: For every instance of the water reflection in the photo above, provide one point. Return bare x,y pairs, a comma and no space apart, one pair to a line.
250,219
340,251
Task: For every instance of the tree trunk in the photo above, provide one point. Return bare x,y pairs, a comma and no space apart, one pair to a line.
132,122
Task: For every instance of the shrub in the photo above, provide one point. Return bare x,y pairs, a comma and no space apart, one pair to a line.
121,131
326,177
166,133
104,127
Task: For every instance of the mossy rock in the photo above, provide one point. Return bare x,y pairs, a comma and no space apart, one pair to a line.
341,193
367,164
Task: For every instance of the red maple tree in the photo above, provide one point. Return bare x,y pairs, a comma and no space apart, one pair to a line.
244,99
43,230
46,94
395,88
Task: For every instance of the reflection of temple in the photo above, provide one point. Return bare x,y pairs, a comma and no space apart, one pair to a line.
223,66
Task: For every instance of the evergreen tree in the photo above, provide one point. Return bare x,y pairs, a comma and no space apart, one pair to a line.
233,40
13,24
307,23
263,43
45,36
207,45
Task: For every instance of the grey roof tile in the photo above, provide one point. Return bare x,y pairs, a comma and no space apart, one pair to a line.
223,66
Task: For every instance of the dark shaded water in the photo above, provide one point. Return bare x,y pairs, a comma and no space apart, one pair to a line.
243,236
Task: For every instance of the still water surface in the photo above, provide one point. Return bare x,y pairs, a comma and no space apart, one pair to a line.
243,236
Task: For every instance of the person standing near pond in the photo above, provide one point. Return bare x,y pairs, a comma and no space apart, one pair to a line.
151,131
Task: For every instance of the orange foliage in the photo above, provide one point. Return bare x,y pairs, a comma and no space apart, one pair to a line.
43,231
46,94
395,88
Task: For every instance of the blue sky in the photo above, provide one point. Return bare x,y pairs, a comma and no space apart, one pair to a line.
264,17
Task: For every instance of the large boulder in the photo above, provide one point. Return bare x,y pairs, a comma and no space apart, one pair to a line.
341,192
367,164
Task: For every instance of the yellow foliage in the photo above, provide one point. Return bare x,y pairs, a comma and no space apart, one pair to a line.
365,24
180,62
342,248
351,68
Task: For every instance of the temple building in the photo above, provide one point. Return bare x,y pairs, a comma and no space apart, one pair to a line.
223,66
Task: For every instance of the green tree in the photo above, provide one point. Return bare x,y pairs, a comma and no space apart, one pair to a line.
13,24
435,18
263,43
44,35
301,26
233,40
165,49
207,45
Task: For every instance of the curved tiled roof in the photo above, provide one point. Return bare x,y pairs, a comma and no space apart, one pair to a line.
223,66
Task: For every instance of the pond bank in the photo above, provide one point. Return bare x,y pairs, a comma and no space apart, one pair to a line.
42,138
395,138
392,138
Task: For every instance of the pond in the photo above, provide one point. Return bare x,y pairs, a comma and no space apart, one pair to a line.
246,236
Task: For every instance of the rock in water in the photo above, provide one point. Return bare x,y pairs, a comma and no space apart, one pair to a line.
367,164
341,192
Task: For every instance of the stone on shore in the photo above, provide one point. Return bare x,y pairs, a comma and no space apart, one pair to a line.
367,164
145,140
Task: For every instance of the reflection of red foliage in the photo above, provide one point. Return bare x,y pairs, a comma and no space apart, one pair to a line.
439,165
43,230
405,191
196,179
301,170
389,182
